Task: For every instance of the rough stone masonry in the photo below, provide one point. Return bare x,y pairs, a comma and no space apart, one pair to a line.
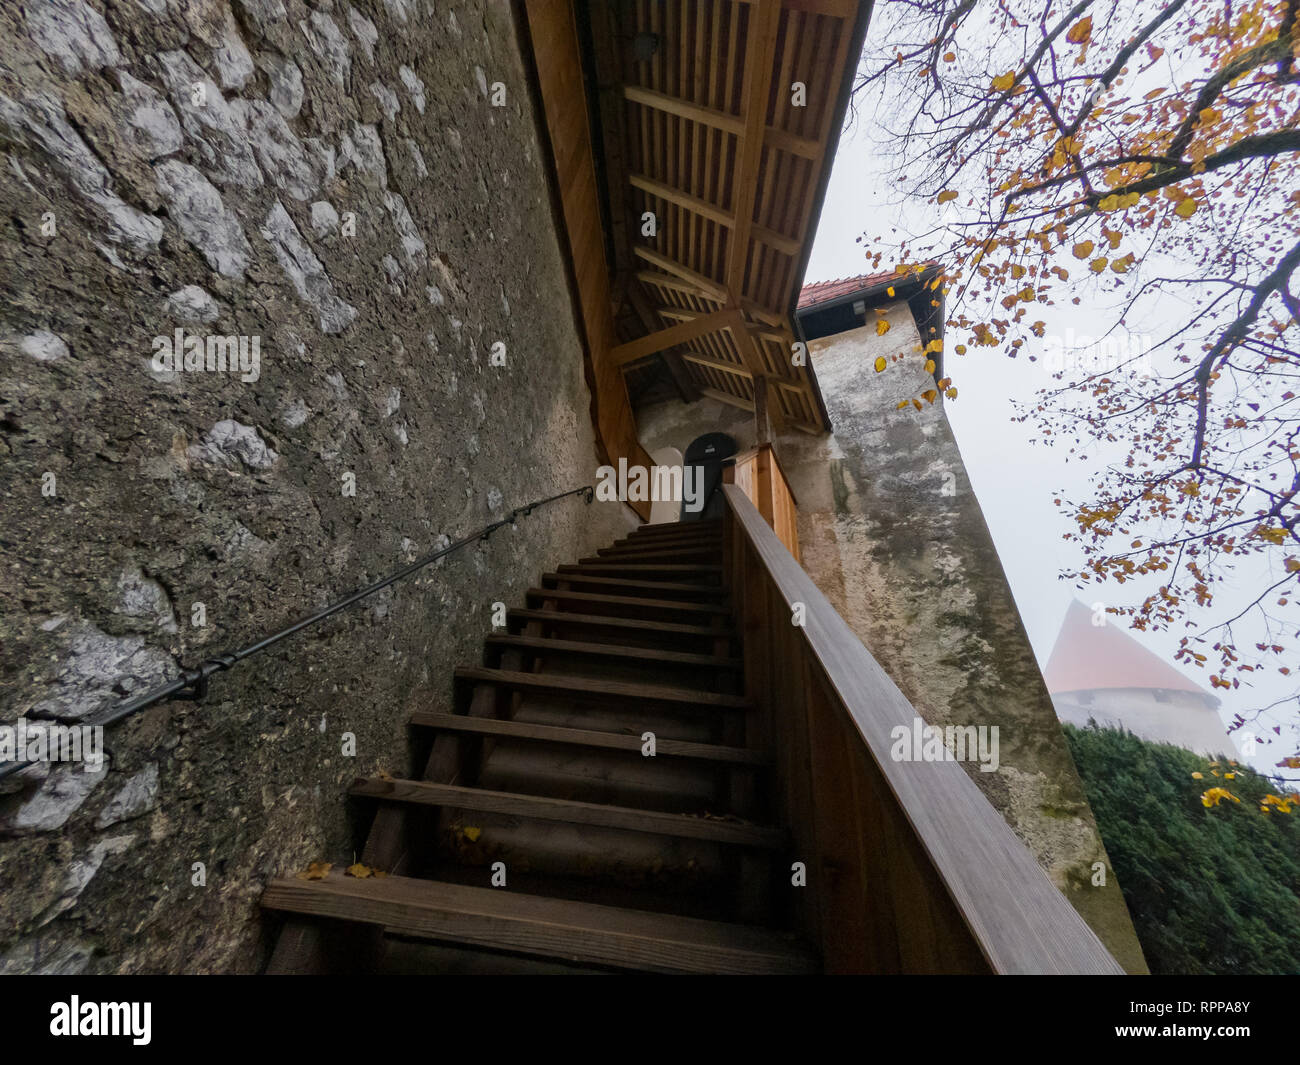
334,183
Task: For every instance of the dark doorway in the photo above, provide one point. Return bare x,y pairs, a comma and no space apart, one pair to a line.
710,453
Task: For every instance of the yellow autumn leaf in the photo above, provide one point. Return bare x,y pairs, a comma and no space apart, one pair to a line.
890,291
1198,776
880,364
882,327
358,870
903,403
960,349
1003,82
949,57
947,194
1272,535
1292,566
1098,265
952,392
316,871
929,366
929,395
1083,249
1081,31
472,834
1186,208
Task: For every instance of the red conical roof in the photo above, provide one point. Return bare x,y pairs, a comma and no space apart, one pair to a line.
1088,656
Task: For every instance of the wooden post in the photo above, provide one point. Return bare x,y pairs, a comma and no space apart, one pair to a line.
762,423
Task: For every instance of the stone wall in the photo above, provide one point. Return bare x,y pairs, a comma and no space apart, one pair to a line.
892,533
333,182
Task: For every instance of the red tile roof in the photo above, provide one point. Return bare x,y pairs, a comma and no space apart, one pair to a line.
825,291
1088,656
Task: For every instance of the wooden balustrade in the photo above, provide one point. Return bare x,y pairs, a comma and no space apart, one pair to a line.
758,474
909,868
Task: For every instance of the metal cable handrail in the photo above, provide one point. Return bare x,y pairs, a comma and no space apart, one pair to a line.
192,683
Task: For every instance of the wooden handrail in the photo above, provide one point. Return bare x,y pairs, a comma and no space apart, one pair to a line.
909,867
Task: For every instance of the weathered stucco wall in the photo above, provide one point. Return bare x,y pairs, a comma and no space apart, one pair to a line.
892,533
191,164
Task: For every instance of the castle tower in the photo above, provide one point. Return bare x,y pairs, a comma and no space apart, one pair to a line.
1100,673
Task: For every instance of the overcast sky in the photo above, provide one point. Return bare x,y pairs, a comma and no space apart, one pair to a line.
1014,479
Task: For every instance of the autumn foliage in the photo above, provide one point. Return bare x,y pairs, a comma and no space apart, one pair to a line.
1138,159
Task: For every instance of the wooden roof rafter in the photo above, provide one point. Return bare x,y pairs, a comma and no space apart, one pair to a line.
732,169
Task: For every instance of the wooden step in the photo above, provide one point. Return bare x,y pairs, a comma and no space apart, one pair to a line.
670,527
706,591
649,628
631,554
545,808
545,645
692,539
595,687
631,603
500,919
613,741
601,566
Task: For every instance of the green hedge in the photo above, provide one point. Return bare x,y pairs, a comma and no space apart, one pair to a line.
1211,890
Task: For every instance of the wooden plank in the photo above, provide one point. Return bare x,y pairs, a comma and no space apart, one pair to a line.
613,741
707,591
727,397
595,687
603,565
678,284
720,120
672,105
548,645
703,285
760,51
530,924
682,199
632,602
556,55
669,338
600,621
545,808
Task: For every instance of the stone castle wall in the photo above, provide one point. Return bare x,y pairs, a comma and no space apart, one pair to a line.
331,185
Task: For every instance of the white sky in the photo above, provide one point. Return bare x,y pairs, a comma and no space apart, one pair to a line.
1014,481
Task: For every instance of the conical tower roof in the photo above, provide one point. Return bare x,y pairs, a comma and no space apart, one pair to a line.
1088,657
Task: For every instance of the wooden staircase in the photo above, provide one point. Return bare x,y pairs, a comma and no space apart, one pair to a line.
541,836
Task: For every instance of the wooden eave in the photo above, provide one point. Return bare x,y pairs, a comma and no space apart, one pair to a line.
711,140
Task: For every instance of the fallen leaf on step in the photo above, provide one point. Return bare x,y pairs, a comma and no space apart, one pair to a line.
316,871
471,834
383,774
359,871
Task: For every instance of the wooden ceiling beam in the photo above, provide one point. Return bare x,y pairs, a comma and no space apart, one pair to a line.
681,376
682,314
671,337
785,245
708,116
727,397
682,199
760,53
675,284
716,364
705,286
